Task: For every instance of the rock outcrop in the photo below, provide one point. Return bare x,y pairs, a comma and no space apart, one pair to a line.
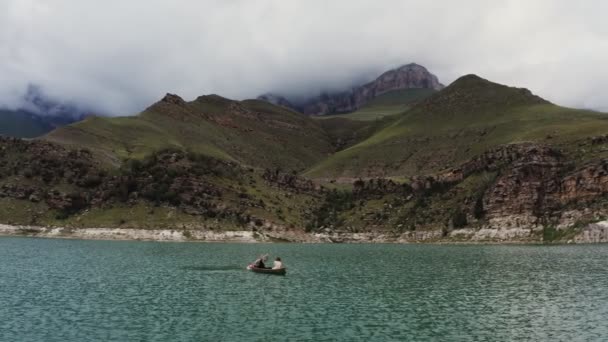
174,99
536,188
528,188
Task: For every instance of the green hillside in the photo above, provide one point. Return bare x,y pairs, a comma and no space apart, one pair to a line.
251,132
473,155
43,183
465,119
393,102
348,129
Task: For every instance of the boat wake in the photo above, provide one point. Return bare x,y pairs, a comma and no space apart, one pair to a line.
211,268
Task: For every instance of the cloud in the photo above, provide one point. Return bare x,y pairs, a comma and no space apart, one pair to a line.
120,56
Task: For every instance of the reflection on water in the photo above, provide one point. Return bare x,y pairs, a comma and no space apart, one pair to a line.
69,290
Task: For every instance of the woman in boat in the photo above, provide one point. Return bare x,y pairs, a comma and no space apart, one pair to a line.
278,264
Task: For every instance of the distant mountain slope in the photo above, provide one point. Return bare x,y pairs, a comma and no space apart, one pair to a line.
22,124
465,119
409,76
393,102
250,132
37,116
276,100
475,161
351,128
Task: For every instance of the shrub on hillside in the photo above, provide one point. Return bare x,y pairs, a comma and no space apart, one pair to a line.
459,218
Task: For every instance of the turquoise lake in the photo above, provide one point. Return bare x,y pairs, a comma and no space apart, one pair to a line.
72,290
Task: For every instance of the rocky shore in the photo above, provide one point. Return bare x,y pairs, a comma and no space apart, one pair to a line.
592,233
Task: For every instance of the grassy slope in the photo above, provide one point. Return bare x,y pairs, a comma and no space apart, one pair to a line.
224,188
393,102
251,132
465,119
346,130
281,207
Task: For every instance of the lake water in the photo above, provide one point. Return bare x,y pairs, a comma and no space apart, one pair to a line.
70,290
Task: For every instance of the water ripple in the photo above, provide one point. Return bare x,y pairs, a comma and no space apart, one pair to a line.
68,290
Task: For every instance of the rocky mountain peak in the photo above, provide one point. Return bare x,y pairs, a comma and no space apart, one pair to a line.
408,76
173,99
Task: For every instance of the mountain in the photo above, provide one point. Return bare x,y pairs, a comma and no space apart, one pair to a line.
350,128
276,100
475,161
465,119
251,132
409,76
37,116
23,124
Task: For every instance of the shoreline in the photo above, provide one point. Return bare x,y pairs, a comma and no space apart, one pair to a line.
594,233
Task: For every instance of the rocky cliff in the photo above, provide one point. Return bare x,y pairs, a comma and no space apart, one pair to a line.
409,76
515,192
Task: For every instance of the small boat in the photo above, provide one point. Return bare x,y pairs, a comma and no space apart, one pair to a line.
280,271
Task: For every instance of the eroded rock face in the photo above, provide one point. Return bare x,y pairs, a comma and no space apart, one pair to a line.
499,157
535,184
409,76
585,184
528,185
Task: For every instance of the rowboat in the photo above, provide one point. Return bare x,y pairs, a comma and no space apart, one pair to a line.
280,271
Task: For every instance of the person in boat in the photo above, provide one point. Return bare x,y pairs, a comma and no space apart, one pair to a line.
259,262
278,264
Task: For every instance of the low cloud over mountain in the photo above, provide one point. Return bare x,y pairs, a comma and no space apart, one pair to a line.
116,57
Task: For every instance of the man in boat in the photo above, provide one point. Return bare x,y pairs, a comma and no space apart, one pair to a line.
259,262
278,264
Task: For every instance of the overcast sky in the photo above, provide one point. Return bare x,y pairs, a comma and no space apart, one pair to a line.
119,56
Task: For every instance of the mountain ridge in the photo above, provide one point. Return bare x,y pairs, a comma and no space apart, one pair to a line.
474,161
465,118
407,76
210,124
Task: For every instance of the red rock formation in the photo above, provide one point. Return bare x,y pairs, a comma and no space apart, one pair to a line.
534,180
586,184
